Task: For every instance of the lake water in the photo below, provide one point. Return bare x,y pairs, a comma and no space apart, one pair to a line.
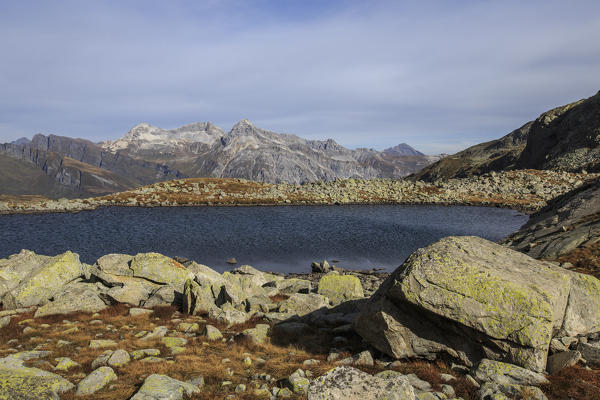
284,239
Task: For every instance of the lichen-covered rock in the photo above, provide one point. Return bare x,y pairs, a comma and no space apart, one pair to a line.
339,288
212,333
77,296
95,381
160,269
253,276
474,299
196,298
161,387
509,374
40,284
227,314
257,335
17,266
65,363
301,304
352,384
289,286
23,383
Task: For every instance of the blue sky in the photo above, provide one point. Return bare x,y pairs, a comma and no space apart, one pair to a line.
439,75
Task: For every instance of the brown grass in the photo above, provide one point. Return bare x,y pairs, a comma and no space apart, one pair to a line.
574,383
585,260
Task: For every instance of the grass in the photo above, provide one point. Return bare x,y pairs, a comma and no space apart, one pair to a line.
200,358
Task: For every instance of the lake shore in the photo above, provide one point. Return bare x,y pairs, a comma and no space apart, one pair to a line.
523,190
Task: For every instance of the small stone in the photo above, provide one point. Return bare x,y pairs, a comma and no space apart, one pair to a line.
247,361
119,358
101,343
65,363
212,333
138,354
134,312
240,388
170,342
95,381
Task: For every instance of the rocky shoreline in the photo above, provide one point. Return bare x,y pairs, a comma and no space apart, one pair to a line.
496,322
525,190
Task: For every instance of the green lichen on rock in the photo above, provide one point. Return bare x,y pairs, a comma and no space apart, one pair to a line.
340,288
160,269
42,283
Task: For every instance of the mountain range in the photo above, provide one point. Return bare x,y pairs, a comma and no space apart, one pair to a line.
58,166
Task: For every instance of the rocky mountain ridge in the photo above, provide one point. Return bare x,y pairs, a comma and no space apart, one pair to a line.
566,138
57,166
249,152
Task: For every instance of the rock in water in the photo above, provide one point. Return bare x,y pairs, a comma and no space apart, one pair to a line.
474,299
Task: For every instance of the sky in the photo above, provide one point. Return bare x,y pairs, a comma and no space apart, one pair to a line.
438,75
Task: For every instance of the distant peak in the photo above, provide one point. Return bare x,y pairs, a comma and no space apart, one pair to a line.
244,122
403,149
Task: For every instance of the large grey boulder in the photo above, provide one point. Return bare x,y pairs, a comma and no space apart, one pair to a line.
162,387
474,299
17,266
160,269
75,297
352,384
339,288
43,282
25,383
301,304
509,374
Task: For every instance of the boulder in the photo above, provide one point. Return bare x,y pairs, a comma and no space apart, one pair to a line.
339,288
24,383
163,296
509,374
253,276
352,384
288,287
114,264
17,266
95,381
301,304
42,283
197,299
257,335
227,314
160,387
474,299
160,269
75,297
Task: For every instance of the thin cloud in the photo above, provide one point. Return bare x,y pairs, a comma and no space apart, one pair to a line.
368,74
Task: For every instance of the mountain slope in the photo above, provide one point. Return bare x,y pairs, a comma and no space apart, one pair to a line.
566,138
500,154
57,166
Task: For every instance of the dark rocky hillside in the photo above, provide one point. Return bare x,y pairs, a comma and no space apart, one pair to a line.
565,138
